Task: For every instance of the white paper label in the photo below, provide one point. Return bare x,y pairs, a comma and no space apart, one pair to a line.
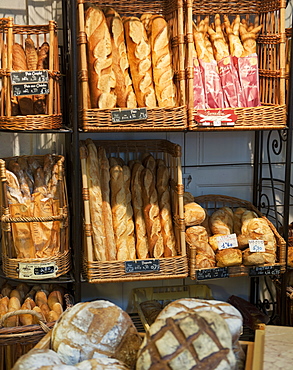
227,241
37,271
256,246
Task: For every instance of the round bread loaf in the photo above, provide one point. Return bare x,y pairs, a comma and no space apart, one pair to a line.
101,363
228,312
95,328
35,359
200,340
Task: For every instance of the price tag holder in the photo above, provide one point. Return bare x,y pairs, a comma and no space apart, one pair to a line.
142,266
216,117
129,115
37,271
30,83
256,246
216,273
227,241
265,270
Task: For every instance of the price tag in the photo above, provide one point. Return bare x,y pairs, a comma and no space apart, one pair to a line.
265,270
26,77
30,89
227,241
126,115
216,117
256,246
216,273
37,271
151,265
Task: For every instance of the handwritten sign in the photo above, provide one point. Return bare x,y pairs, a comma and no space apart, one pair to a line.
37,271
216,117
126,115
26,77
265,270
227,241
30,89
151,265
256,246
216,273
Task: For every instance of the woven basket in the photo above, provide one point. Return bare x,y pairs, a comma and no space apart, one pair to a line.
213,202
18,340
52,118
159,119
271,55
170,267
61,260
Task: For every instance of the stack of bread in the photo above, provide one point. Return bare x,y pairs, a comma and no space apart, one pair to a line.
46,301
29,57
129,206
204,231
33,190
129,60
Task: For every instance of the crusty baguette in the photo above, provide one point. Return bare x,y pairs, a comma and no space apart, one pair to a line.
13,305
139,56
54,297
164,198
162,62
31,54
137,203
26,319
101,75
43,56
129,213
232,31
248,39
18,58
123,89
152,214
41,298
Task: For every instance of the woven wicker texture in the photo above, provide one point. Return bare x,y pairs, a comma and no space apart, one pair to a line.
159,119
213,202
173,267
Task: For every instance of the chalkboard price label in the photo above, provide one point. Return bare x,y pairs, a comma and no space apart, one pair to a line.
27,77
30,89
265,270
126,115
142,266
37,271
216,273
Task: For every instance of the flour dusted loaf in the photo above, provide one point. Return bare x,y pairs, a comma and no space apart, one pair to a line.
101,363
198,340
194,214
35,359
95,328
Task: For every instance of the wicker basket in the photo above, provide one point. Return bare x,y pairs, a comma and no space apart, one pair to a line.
271,54
18,340
61,258
51,118
214,202
170,267
159,119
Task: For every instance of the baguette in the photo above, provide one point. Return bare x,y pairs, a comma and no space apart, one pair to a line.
139,56
137,203
101,75
13,305
43,56
35,319
26,319
31,54
18,58
152,214
54,297
41,298
248,39
129,213
232,31
57,307
162,62
123,89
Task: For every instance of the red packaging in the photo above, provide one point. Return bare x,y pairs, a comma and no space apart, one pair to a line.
247,68
230,83
212,84
198,89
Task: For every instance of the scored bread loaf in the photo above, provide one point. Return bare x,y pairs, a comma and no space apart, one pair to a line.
129,213
36,358
229,257
142,249
164,200
139,56
162,62
99,50
43,56
123,89
18,58
221,221
194,214
31,54
152,214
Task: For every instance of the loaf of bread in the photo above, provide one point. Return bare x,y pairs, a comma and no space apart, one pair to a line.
102,79
229,257
220,46
232,31
92,328
142,249
36,358
203,53
194,214
164,200
196,234
162,62
248,38
139,56
123,89
152,214
259,229
31,54
101,363
43,56
129,213
18,58
221,221
204,261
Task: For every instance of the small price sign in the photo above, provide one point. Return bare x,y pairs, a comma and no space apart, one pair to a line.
30,83
256,246
151,265
216,117
227,241
127,115
265,270
215,273
37,271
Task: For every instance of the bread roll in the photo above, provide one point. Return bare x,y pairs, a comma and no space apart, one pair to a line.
123,89
152,214
221,221
139,56
26,319
162,62
53,298
142,249
13,305
17,294
187,197
41,298
164,200
99,51
57,307
229,257
194,214
52,316
24,186
40,312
